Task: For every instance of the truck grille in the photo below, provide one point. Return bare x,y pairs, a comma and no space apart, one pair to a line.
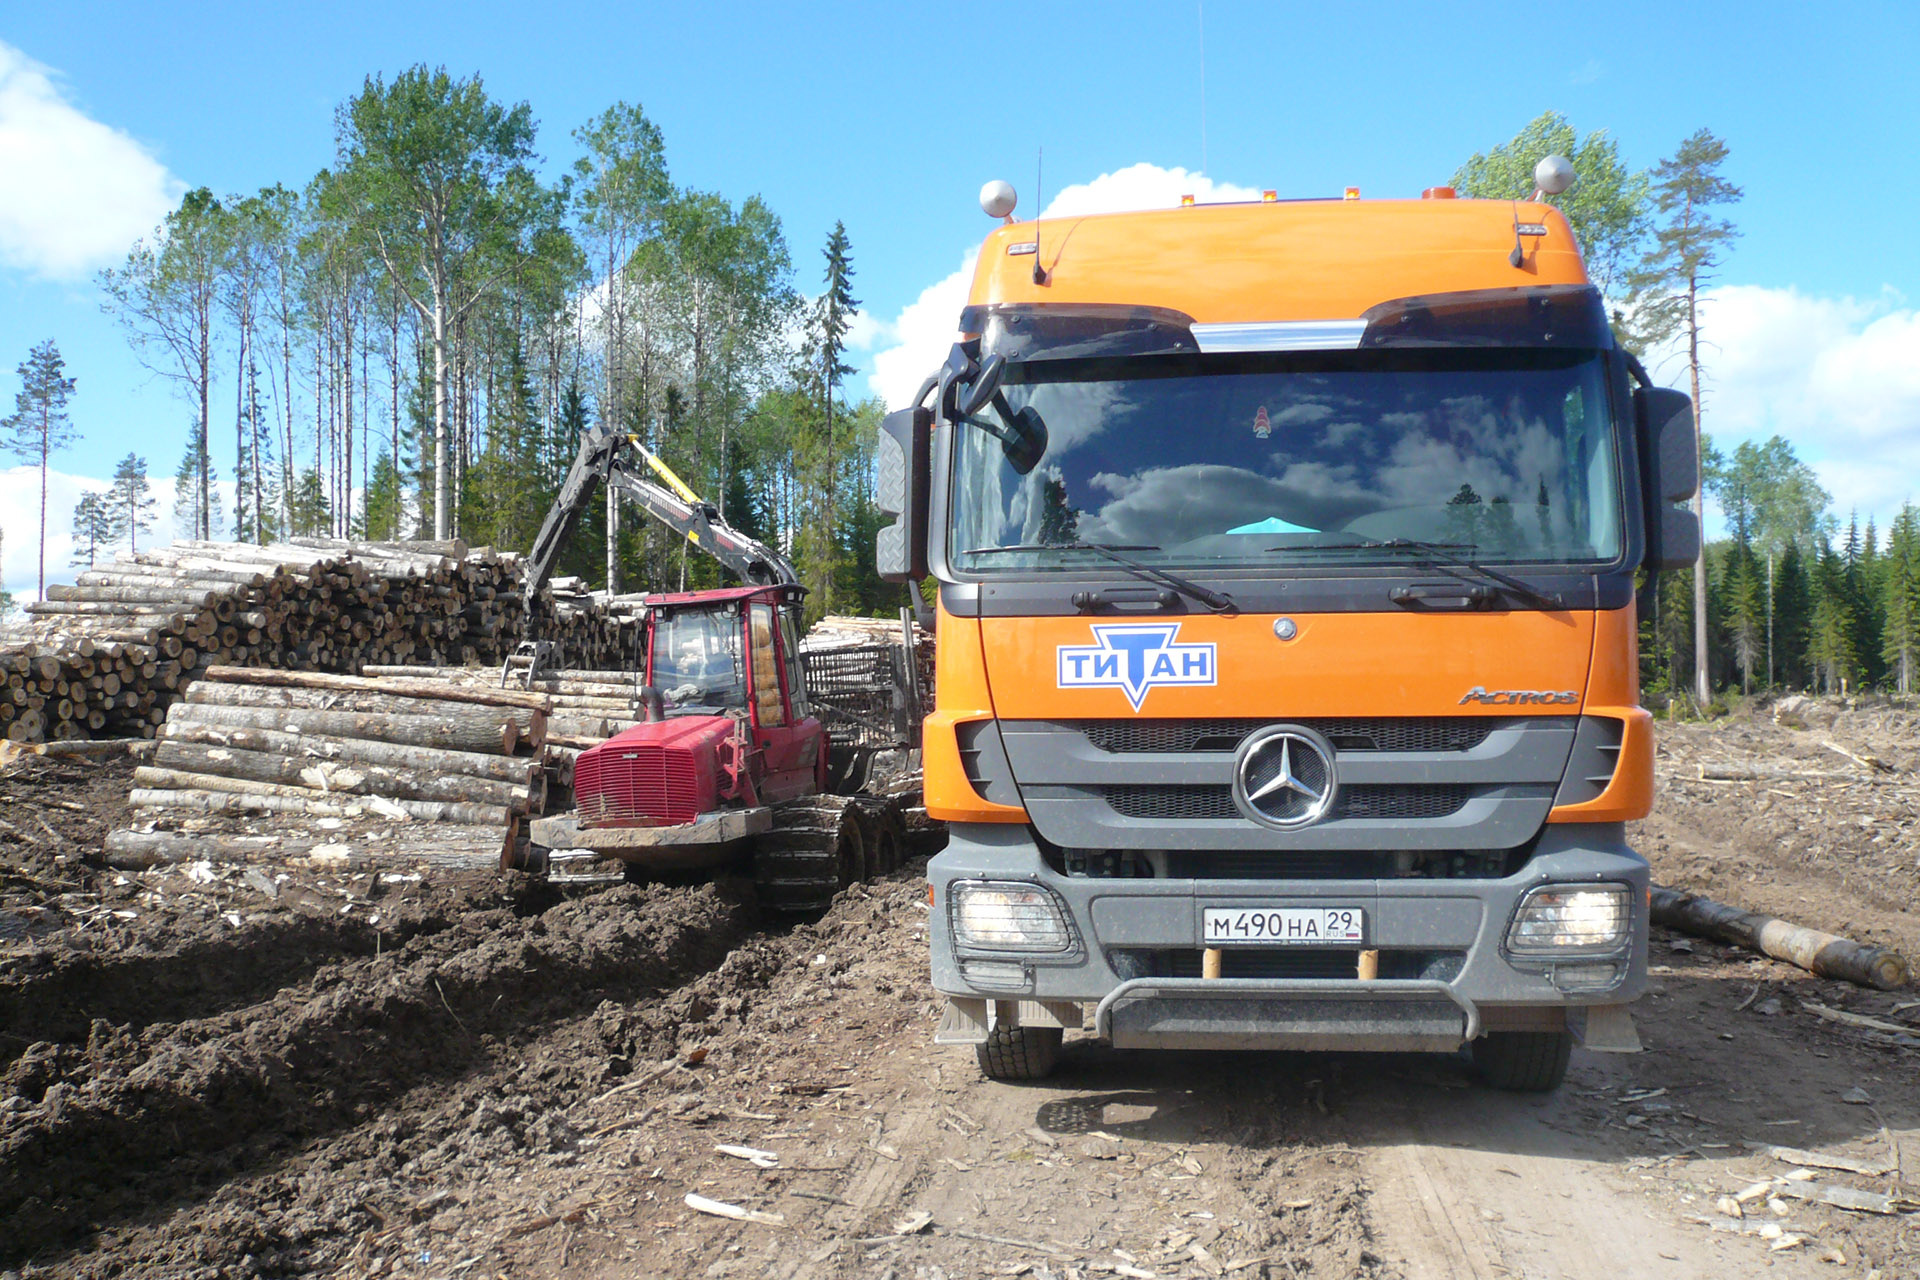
1374,733
1192,803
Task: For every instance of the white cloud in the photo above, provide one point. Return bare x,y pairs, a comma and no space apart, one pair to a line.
926,327
20,523
75,193
1839,378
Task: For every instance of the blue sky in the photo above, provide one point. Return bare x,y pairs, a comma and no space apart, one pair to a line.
891,116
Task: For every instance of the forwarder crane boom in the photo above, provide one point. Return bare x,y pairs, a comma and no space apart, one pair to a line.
609,456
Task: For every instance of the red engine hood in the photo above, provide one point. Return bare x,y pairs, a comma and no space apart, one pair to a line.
657,774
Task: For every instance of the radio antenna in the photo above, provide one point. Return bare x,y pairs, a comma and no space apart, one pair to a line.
1201,5
1039,204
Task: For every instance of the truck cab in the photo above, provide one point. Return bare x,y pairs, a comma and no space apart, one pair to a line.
1286,559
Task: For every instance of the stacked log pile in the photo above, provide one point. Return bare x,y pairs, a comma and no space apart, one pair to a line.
247,740
107,656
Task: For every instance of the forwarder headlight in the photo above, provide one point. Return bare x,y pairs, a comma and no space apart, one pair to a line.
999,915
1560,919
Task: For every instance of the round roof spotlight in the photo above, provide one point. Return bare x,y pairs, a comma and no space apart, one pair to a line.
997,199
1553,175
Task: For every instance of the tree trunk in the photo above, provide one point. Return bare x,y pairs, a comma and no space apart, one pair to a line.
452,733
344,776
445,845
517,770
442,514
1702,674
196,799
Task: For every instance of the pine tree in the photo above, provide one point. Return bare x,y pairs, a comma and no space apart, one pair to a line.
1688,248
130,501
93,530
1900,596
38,426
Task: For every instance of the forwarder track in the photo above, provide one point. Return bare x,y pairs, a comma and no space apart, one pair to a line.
821,844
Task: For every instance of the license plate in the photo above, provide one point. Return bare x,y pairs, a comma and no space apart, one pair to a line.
1242,926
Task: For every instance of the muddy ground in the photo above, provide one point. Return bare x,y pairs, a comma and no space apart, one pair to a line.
294,1071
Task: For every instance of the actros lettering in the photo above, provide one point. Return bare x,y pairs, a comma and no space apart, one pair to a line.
1518,697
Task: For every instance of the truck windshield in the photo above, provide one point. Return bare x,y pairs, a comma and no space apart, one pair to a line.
1244,460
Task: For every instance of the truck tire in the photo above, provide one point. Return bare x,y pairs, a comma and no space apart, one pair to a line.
1523,1061
1019,1053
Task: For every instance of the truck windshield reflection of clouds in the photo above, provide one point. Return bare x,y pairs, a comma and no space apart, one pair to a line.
1512,453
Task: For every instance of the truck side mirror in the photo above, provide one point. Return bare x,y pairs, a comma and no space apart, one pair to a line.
902,478
1670,464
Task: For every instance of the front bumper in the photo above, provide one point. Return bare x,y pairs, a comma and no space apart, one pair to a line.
1446,973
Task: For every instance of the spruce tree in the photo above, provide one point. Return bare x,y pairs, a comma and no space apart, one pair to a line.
39,426
92,529
1830,640
130,501
1900,596
196,502
1745,611
1792,617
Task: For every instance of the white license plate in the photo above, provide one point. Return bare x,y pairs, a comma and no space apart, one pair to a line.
1242,926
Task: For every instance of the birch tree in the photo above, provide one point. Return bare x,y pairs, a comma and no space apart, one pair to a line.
166,295
428,154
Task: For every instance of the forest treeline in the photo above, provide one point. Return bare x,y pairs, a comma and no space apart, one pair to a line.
410,344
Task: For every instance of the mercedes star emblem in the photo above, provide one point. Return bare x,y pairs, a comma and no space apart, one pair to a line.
1284,777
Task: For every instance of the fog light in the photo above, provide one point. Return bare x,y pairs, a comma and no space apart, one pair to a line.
1557,919
1007,916
995,975
1585,977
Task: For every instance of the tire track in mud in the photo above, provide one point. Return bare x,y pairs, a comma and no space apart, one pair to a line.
59,995
142,1124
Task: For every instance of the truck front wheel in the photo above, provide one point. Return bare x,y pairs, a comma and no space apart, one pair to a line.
1019,1053
1523,1061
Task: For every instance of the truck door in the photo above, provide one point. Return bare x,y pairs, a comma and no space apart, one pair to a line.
790,742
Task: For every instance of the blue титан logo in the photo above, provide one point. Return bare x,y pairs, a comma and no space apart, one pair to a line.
1134,659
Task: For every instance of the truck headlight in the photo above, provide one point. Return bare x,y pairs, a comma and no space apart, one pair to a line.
999,915
1559,919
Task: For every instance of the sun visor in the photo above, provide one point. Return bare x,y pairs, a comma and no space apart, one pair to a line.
1543,316
1535,316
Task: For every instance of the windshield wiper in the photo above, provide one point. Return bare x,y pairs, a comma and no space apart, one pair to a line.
1447,556
1213,600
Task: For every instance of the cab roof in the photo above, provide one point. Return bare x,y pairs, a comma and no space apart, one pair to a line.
1279,260
776,593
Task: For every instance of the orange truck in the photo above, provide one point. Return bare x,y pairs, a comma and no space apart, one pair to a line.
1286,557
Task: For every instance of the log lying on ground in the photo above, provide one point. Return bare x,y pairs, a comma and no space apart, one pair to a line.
1822,953
442,845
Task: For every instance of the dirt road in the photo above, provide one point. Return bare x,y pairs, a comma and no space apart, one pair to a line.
454,1077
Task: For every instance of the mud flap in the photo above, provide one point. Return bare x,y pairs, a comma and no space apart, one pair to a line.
1609,1029
967,1021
